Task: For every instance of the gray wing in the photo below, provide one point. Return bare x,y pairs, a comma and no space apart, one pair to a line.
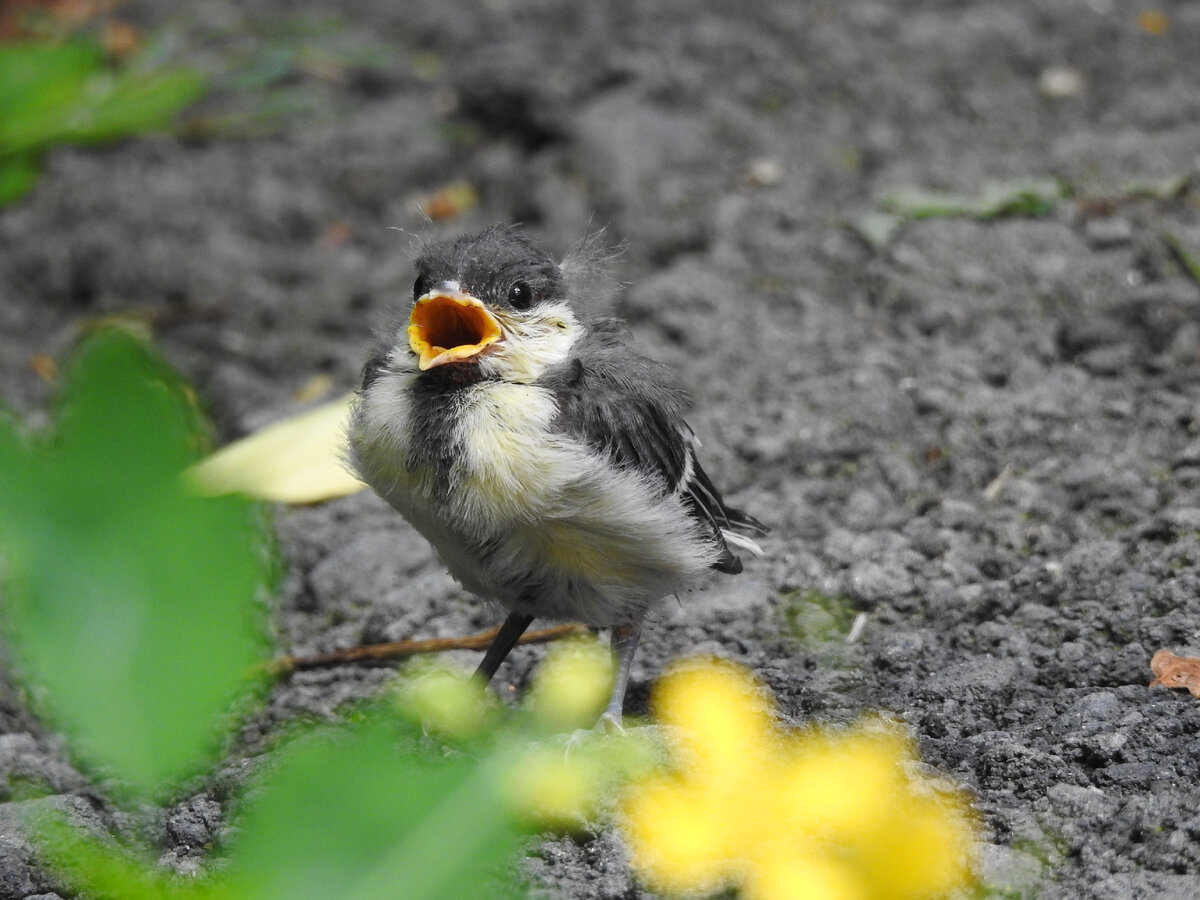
623,405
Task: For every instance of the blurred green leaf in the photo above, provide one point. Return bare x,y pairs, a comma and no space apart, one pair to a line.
1165,188
102,868
18,174
133,105
1187,258
355,811
68,93
350,814
877,228
1033,197
814,618
40,87
130,603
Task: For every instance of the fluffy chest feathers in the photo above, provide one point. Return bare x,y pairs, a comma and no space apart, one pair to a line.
488,445
518,510
510,465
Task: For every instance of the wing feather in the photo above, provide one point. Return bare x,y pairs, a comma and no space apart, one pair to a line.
622,405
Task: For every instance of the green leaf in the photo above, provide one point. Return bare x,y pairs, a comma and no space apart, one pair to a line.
101,867
1187,258
1034,197
132,103
131,604
68,93
40,86
350,814
18,175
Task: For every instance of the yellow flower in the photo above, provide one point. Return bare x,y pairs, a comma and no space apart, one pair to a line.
553,788
569,777
717,717
828,815
572,685
445,701
812,876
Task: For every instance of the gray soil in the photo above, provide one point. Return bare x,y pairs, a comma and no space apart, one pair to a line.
982,434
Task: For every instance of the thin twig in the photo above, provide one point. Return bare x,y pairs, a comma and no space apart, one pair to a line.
370,653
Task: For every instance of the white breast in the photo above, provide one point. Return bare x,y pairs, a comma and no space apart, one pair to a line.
527,516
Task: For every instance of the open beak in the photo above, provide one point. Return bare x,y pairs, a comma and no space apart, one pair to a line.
449,326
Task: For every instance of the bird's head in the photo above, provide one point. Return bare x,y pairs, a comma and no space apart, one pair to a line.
492,300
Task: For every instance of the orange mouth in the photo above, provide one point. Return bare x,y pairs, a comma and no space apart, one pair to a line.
450,326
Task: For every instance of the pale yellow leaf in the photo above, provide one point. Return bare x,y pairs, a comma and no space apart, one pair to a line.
297,460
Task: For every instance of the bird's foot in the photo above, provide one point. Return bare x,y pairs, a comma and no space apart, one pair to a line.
610,723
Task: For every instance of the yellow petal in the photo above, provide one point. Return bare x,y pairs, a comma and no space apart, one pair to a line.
298,460
834,786
445,700
678,838
926,851
553,788
809,875
572,685
719,714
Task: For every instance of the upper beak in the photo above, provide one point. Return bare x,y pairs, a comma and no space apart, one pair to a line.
448,325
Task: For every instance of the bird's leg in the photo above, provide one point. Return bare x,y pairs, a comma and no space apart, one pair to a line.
506,638
624,643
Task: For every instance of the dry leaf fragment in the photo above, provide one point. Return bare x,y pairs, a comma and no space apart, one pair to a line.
337,233
120,39
315,388
1153,21
449,201
1176,671
44,367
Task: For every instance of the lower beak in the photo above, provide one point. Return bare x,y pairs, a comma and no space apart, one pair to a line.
448,326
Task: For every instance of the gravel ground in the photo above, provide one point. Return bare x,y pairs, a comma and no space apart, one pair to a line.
983,433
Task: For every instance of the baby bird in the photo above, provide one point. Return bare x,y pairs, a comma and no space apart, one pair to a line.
547,463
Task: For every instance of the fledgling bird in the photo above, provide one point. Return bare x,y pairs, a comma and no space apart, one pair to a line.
547,463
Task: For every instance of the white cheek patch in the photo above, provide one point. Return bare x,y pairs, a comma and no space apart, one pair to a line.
533,344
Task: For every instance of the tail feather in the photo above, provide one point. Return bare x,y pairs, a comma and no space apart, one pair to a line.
741,542
745,522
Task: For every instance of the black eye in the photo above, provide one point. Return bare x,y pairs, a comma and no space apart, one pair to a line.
420,286
520,295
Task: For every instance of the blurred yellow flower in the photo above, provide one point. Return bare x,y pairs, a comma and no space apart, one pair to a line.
551,787
824,815
571,777
445,701
572,685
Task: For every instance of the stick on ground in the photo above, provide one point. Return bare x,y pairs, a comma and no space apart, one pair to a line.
373,653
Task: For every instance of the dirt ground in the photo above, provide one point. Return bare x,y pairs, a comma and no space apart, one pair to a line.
983,433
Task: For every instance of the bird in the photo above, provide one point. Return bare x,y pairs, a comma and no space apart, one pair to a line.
547,463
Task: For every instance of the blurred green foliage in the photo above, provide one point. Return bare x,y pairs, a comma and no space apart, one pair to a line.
69,93
133,609
264,74
270,74
1026,197
349,814
134,612
130,604
814,618
1032,197
357,811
